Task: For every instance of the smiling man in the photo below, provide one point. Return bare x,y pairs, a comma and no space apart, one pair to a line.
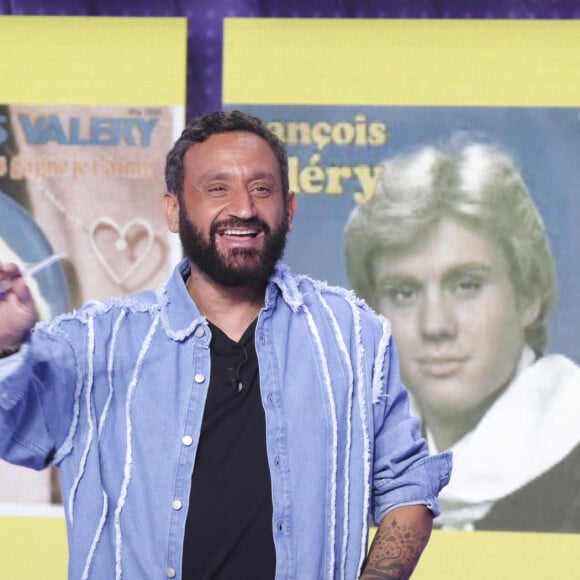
240,206
240,422
453,251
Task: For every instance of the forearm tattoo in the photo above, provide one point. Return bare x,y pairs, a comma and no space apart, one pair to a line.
395,552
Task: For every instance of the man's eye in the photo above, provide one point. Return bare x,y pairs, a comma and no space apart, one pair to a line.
401,294
466,287
261,190
217,190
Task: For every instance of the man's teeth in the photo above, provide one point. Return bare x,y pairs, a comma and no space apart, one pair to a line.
240,233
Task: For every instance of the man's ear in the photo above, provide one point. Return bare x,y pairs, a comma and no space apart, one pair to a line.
292,202
171,208
529,311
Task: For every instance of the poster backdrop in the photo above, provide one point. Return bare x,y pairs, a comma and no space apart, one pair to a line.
346,96
89,108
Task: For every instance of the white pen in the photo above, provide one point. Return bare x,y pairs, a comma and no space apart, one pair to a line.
5,285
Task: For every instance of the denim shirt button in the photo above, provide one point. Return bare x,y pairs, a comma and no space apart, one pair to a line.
176,504
187,440
199,378
170,572
199,331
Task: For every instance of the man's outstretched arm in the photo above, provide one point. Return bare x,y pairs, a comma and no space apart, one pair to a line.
398,543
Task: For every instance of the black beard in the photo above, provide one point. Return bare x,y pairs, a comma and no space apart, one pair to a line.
244,267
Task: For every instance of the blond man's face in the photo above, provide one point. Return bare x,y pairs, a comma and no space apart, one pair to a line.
456,319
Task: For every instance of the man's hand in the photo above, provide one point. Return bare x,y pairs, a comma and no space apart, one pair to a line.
17,309
398,543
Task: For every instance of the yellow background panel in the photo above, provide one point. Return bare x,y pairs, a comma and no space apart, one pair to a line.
93,60
421,63
33,548
402,62
499,556
81,61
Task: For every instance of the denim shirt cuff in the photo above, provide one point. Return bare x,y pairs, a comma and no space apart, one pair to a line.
436,471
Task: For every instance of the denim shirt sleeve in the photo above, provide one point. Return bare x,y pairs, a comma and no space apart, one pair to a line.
11,368
36,399
404,473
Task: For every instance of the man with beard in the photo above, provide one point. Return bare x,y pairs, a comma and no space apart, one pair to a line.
240,421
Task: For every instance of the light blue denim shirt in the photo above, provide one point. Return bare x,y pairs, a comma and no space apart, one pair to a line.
114,393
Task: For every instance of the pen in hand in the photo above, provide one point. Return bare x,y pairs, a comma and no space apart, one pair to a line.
6,285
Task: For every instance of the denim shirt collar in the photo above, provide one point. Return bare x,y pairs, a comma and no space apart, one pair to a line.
285,284
180,315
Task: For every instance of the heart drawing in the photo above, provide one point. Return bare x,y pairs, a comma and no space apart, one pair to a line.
136,227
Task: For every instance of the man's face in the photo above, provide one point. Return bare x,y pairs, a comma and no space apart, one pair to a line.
232,219
456,319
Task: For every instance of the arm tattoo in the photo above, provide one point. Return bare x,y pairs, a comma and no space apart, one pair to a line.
395,552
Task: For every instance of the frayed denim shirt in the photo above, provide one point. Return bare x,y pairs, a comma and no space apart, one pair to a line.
114,394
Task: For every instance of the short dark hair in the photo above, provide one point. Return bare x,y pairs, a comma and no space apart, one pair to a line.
201,128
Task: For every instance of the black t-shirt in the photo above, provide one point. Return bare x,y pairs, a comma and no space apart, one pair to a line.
228,533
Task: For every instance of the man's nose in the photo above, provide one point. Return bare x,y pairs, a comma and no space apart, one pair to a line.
242,204
437,316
